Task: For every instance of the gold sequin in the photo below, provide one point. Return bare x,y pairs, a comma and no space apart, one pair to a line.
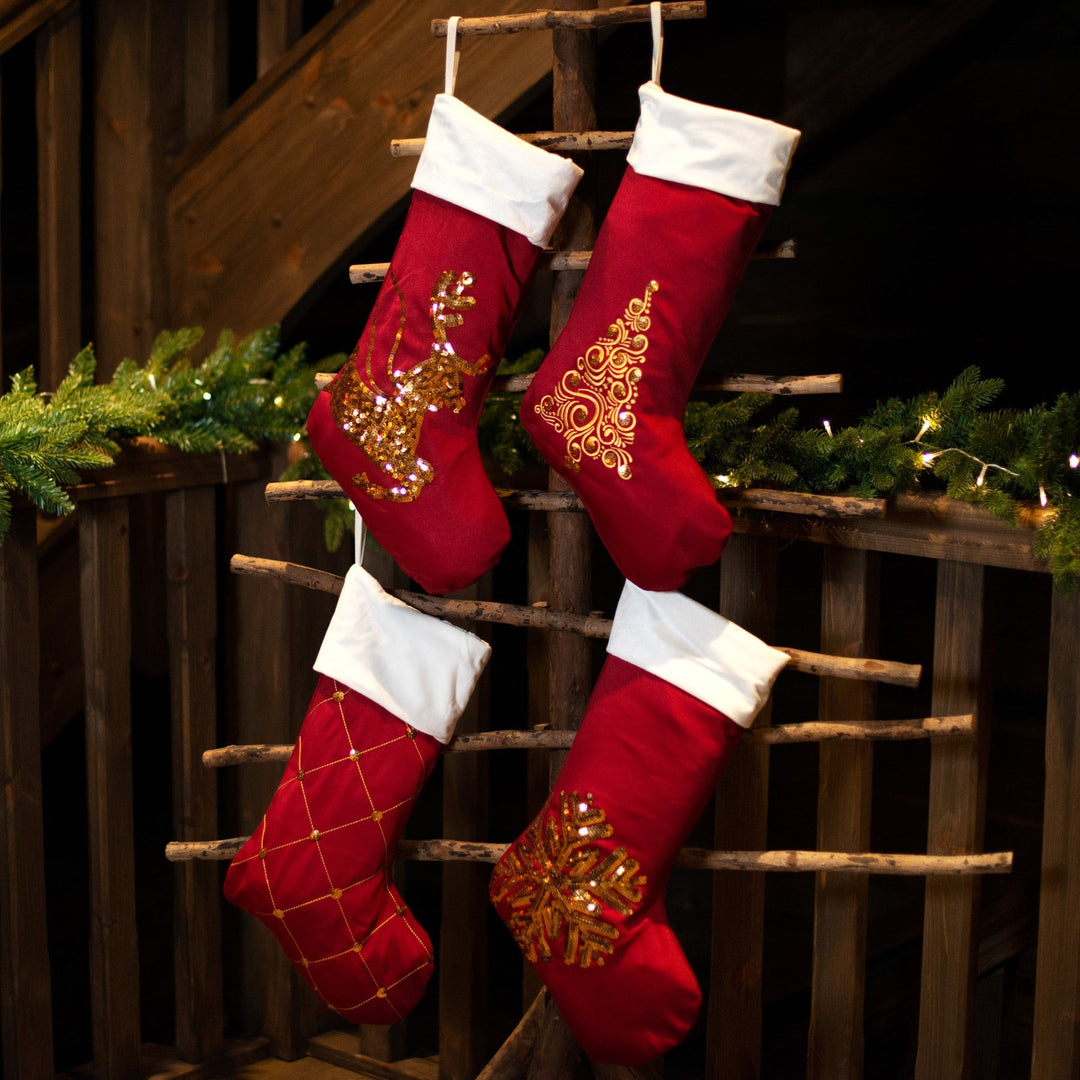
315,834
377,815
385,420
381,992
410,733
278,913
335,893
593,404
338,695
559,884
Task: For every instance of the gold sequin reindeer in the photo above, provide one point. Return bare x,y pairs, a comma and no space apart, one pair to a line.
386,425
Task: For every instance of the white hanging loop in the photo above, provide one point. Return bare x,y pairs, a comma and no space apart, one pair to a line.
359,536
452,54
657,40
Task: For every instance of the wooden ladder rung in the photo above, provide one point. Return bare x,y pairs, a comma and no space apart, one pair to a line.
369,273
994,862
864,669
929,727
569,20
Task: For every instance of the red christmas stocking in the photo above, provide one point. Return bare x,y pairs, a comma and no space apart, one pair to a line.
606,407
316,871
582,889
397,427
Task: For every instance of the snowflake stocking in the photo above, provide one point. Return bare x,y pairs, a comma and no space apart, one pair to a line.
582,889
397,427
606,407
316,871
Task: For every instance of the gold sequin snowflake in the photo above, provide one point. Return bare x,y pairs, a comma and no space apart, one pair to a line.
561,885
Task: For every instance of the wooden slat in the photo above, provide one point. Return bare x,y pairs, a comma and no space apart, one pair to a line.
137,124
280,24
261,660
20,18
104,569
1057,982
462,967
339,1048
733,1037
926,526
59,122
955,826
191,598
849,621
206,63
25,992
252,228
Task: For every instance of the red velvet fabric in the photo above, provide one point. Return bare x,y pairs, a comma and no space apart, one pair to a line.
664,521
454,528
316,871
648,756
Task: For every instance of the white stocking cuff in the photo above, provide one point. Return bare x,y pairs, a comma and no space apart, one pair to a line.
732,153
471,162
416,666
688,645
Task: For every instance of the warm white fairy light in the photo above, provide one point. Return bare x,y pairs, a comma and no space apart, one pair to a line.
981,478
1042,496
828,427
1074,461
925,428
723,479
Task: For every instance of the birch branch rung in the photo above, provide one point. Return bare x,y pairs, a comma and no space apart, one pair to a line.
571,20
784,502
864,669
930,727
369,273
995,862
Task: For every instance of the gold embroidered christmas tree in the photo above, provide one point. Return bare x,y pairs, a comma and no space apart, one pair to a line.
561,885
592,404
386,423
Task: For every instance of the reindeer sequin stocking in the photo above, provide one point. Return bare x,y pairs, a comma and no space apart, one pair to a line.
316,871
606,407
582,889
397,427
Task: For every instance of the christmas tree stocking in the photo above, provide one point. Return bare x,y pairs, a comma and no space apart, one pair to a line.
397,427
582,889
316,871
606,407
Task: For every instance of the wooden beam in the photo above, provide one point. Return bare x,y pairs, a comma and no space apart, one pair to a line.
570,17
104,583
955,827
59,124
280,24
191,597
734,1009
252,227
1057,980
849,622
20,18
206,64
137,123
25,990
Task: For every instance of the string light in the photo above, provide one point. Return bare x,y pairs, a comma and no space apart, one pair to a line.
1074,461
924,429
828,427
1042,496
723,480
981,478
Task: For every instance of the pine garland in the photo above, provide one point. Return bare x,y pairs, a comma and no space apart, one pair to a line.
242,396
248,394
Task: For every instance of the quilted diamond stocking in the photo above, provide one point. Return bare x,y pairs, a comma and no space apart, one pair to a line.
582,889
316,870
606,407
397,427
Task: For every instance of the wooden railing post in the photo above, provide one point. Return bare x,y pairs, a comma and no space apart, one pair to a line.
849,627
104,569
1057,984
191,575
956,820
25,993
733,1042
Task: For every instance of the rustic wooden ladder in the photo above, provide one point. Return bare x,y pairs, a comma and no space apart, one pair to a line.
561,605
